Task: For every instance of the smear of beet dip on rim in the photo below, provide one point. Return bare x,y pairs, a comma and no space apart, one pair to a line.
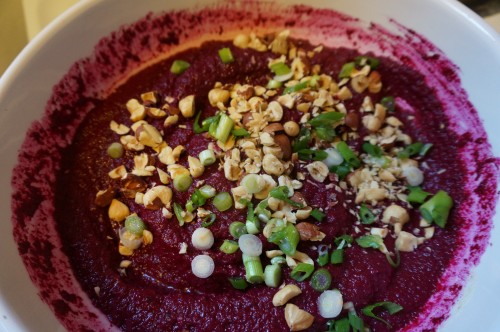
65,246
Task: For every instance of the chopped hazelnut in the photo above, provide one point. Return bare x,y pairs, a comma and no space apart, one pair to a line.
218,96
309,232
196,168
285,294
406,242
292,128
272,165
318,170
157,197
187,106
118,211
395,214
104,197
296,318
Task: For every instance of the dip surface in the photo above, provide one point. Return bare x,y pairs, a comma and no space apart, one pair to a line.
159,292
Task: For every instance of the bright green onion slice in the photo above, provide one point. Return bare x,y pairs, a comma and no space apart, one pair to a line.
253,183
238,283
253,268
272,275
207,157
179,66
348,155
326,119
393,263
240,132
207,191
178,213
356,322
341,170
391,308
302,271
287,238
115,150
237,229
367,60
280,68
223,129
370,241
318,214
321,280
411,150
223,201
437,209
279,260
208,220
366,215
297,87
417,195
226,55
337,256
346,70
134,224
373,150
323,255
389,103
182,182
229,247
273,85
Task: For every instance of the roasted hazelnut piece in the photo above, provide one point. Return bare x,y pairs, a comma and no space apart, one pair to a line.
104,197
309,232
285,294
296,318
118,211
132,184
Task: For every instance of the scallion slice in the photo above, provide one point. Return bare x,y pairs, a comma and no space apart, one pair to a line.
370,241
323,255
287,238
279,260
337,256
240,132
178,213
326,119
238,283
318,214
224,127
389,103
237,229
182,182
393,263
366,215
416,195
437,209
367,60
391,308
373,150
208,220
280,68
223,201
272,275
207,157
302,271
226,55
253,268
346,70
134,224
295,88
341,170
229,247
207,191
348,154
179,66
321,280
411,150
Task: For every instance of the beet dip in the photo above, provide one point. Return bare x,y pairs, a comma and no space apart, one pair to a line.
143,280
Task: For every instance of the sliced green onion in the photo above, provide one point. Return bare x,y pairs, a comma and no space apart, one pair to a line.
253,268
182,182
373,150
326,119
425,149
356,322
393,263
178,213
253,183
190,206
321,280
318,214
223,201
207,157
314,80
337,256
310,154
229,247
279,260
417,195
207,191
325,133
272,275
115,150
389,103
240,132
348,154
196,124
342,325
295,88
391,307
238,283
330,303
252,227
302,140
411,150
280,68
302,271
224,128
323,255
287,238
282,193
208,220
273,84
346,70
341,170
370,241
367,60
343,241
237,229
366,215
134,224
437,209
179,66
225,55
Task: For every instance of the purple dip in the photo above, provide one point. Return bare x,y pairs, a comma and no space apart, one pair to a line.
159,292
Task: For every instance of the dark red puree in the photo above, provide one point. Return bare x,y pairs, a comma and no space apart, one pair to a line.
159,292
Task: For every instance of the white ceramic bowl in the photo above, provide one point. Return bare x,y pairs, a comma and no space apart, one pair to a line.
27,85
